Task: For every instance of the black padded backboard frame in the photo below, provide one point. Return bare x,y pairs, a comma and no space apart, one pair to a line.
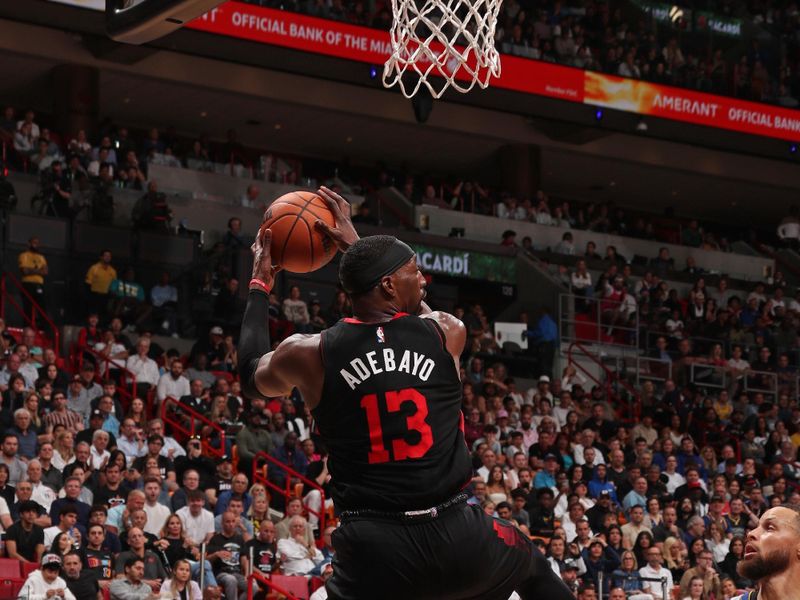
142,21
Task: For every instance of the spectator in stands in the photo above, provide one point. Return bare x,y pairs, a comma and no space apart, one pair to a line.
164,298
509,238
98,280
566,245
250,197
24,540
78,399
113,354
190,482
264,549
131,440
628,68
143,368
636,525
17,365
198,523
25,141
229,306
82,583
110,423
200,379
712,586
238,488
173,384
27,438
252,439
16,467
297,556
692,235
214,349
130,174
653,572
234,238
509,209
153,572
663,263
293,508
33,267
80,147
127,300
130,583
543,337
296,311
226,556
44,583
171,449
180,584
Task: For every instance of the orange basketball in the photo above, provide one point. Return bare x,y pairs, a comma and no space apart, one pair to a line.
296,244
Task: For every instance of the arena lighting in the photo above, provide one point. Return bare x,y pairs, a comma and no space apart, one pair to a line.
598,114
676,14
641,126
793,148
373,71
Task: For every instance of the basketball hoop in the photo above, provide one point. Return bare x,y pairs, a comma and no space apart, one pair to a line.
442,43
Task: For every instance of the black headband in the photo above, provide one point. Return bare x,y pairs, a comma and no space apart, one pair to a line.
395,256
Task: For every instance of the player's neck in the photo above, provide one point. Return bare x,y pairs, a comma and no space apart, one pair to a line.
375,313
784,586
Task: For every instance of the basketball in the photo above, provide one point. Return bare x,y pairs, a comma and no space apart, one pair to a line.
296,244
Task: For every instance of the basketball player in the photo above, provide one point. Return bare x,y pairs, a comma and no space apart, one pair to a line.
384,390
772,556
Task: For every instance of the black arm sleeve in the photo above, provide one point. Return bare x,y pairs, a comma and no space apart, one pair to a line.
253,340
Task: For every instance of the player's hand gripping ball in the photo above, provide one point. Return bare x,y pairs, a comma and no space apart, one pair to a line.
297,245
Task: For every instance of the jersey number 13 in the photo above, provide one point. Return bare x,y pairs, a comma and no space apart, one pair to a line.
401,450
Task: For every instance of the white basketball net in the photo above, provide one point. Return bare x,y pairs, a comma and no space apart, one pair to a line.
442,44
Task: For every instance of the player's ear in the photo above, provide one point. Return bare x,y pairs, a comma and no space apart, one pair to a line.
388,285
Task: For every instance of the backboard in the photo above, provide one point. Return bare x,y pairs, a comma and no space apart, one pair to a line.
141,21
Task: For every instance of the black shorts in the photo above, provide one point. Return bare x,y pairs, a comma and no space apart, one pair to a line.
462,554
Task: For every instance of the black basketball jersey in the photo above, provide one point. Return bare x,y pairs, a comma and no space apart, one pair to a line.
390,415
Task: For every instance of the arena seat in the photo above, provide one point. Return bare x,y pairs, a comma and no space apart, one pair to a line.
9,588
9,569
297,585
28,568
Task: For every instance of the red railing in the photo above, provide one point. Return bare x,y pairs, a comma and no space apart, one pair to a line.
287,492
195,419
257,576
611,377
5,296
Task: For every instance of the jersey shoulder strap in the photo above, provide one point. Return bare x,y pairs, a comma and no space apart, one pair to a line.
438,330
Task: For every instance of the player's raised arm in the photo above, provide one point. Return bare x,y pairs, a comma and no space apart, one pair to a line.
265,373
254,343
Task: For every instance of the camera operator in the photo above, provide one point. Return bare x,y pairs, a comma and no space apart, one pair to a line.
102,200
151,210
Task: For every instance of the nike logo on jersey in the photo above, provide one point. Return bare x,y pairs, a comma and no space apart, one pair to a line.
385,361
